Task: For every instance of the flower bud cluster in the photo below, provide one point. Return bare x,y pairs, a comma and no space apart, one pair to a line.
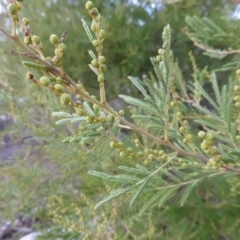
183,129
124,151
160,55
148,155
45,81
99,63
121,112
157,155
215,162
65,99
13,9
60,49
175,104
25,21
186,163
54,84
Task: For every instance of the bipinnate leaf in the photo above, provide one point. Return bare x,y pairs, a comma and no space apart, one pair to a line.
113,195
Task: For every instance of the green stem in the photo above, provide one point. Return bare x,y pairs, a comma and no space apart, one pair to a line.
188,182
156,171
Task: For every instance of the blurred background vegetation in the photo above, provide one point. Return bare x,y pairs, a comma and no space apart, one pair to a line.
47,181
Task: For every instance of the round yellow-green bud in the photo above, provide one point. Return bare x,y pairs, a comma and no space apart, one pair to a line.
94,63
49,59
185,140
238,72
237,104
182,130
93,12
238,137
27,40
121,113
65,99
56,52
129,150
95,43
236,88
104,68
29,75
93,26
45,81
62,48
100,78
172,104
196,164
237,98
189,137
213,150
112,144
54,39
185,123
19,6
180,160
204,146
79,85
211,162
178,103
110,118
159,58
12,10
155,152
201,134
35,39
25,21
101,59
219,158
59,88
131,155
95,107
101,119
184,165
101,33
122,154
179,115
209,137
146,161
89,5
80,111
120,144
161,152
160,51
150,157
59,80
89,119
136,140
140,154
164,156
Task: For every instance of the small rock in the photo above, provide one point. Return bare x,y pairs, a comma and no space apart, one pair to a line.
31,236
